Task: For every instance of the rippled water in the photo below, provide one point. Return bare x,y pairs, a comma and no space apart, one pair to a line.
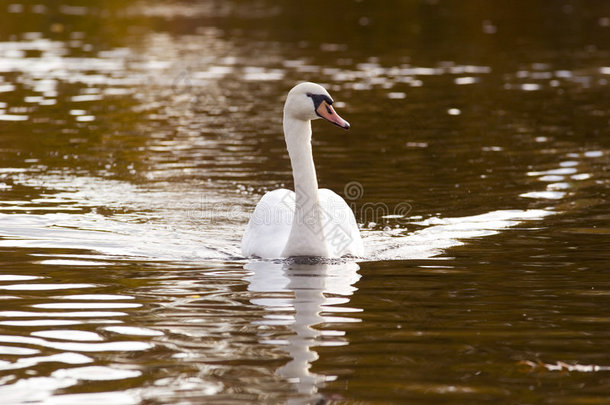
136,139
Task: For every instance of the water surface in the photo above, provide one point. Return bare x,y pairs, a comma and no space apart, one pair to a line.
136,139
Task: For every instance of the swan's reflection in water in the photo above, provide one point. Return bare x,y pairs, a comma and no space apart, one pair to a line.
301,295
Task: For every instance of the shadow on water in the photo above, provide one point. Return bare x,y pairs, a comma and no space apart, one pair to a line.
315,289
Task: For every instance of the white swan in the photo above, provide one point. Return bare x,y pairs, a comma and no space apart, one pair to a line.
310,221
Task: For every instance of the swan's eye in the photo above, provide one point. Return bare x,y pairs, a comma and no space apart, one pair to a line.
319,99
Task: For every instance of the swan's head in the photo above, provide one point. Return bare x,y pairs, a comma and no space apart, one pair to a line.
309,101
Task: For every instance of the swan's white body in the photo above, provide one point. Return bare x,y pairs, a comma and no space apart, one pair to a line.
309,221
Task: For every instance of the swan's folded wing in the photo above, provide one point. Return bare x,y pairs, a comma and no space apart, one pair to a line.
269,226
340,226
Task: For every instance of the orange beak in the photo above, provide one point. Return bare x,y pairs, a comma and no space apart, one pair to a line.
327,112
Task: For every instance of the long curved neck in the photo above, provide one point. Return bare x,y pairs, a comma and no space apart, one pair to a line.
298,141
306,235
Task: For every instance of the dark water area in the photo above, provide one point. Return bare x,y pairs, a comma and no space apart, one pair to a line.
137,137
